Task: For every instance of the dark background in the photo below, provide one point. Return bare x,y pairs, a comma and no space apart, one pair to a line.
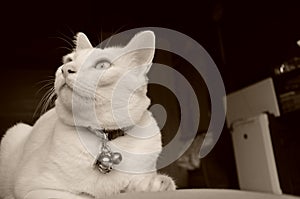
246,39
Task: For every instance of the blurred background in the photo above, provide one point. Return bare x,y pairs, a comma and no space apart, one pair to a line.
247,40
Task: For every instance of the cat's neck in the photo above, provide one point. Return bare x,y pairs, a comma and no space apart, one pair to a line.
67,117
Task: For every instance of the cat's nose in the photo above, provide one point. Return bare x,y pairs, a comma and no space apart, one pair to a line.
67,70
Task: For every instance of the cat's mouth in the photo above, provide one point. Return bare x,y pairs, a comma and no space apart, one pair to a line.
65,87
77,90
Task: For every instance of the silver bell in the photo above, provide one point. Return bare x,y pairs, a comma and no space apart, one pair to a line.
116,158
106,160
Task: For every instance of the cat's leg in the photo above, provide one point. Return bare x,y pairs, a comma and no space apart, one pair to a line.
151,182
115,184
10,154
111,184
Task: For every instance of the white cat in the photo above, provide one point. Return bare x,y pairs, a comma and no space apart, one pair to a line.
96,89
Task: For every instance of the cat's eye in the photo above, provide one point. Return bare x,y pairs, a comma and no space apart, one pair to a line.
67,59
103,64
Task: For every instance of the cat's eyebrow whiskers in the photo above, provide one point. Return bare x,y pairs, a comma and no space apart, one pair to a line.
66,36
71,44
73,33
67,48
101,36
113,33
99,39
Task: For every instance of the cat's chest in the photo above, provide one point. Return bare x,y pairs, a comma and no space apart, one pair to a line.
80,147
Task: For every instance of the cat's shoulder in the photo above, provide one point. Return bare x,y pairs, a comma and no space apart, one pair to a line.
49,115
46,120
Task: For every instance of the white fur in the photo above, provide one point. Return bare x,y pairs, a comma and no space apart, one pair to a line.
50,155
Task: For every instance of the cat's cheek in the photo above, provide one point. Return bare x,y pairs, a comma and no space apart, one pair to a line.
58,71
59,82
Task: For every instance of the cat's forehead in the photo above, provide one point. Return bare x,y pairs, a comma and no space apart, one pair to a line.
110,53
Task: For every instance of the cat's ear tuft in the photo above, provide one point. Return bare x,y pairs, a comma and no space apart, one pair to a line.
82,42
142,47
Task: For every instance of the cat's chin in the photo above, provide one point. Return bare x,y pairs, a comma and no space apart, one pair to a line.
64,113
65,86
102,119
62,88
65,93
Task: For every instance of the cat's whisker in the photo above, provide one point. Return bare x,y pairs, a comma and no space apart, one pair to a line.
64,47
110,38
45,86
46,80
73,33
66,36
91,95
99,40
84,88
38,106
48,102
43,103
71,44
49,99
113,33
101,36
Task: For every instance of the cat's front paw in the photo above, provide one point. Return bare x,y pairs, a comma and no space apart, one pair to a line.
154,183
163,183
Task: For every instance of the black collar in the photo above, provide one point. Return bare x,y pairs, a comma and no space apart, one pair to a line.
110,134
113,133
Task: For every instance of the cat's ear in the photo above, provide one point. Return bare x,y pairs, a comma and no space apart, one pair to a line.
142,47
82,42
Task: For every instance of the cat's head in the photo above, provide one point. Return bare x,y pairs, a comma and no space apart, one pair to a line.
105,88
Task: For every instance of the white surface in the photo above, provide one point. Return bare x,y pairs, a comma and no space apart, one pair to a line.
179,194
53,194
254,155
251,101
